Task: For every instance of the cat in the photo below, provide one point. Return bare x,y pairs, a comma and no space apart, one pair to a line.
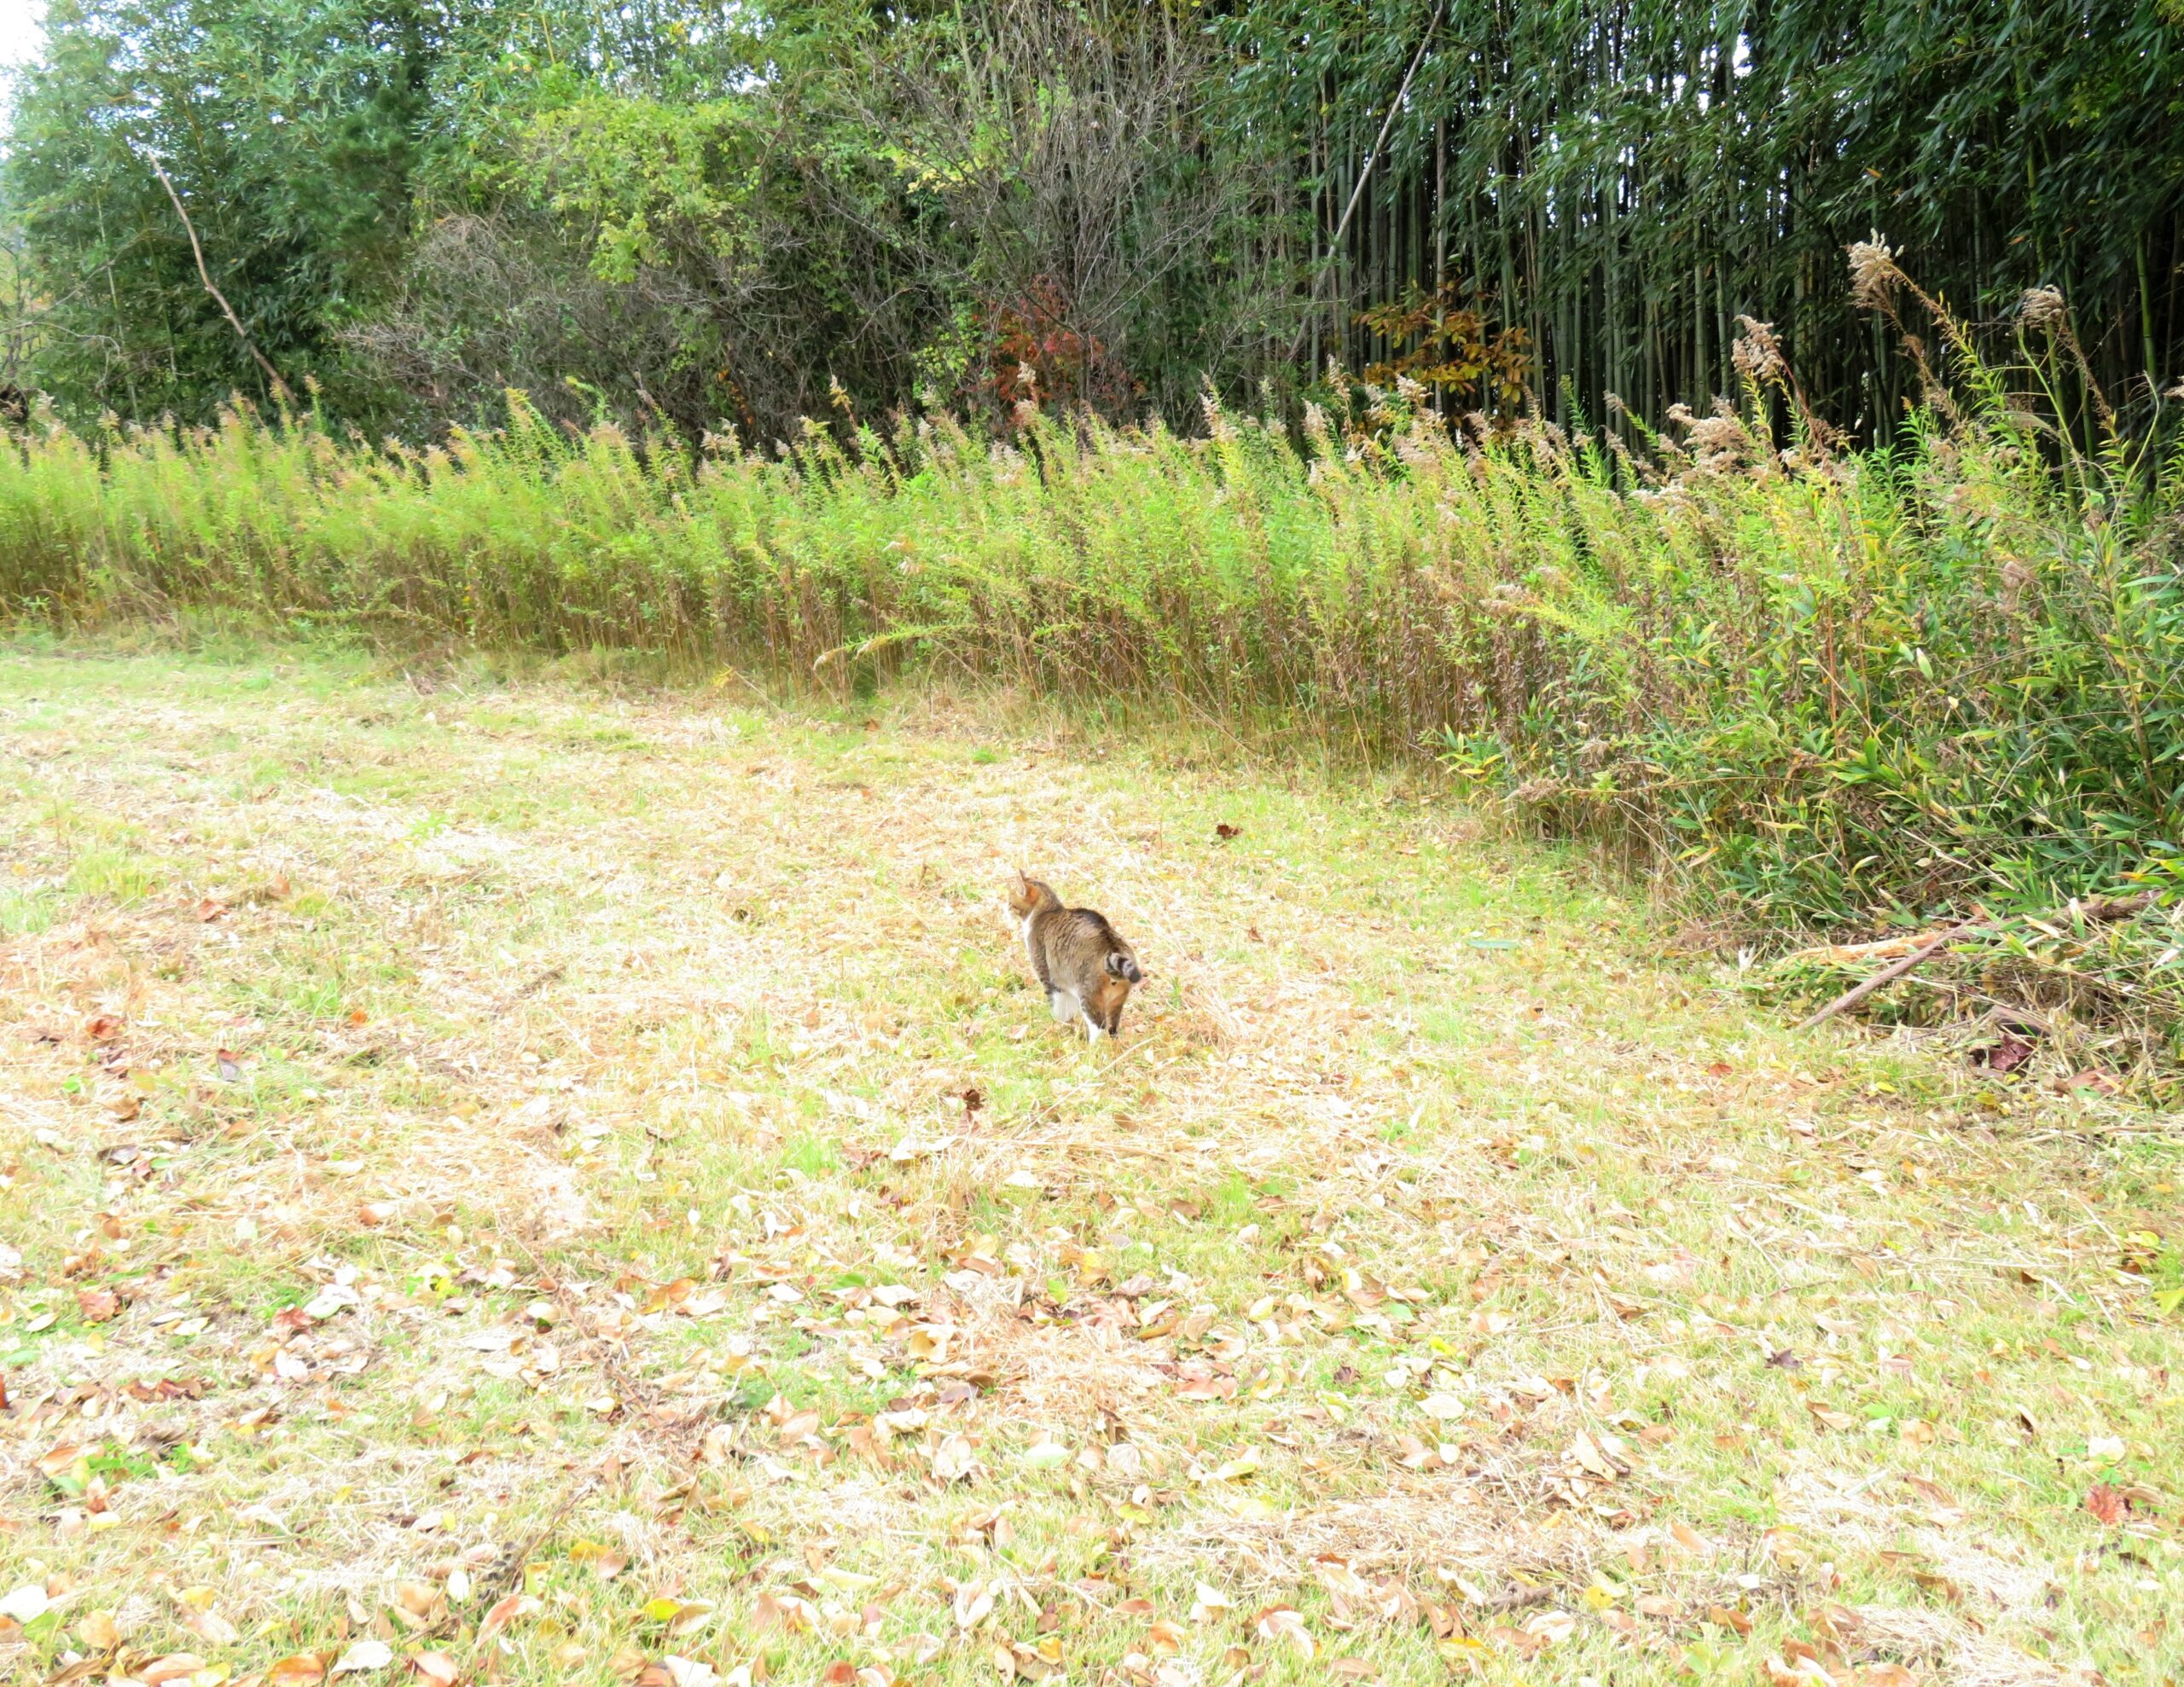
1085,968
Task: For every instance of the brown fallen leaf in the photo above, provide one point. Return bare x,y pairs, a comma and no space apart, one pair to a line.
2107,1504
435,1668
1282,1623
1224,831
173,1667
513,1609
1723,1617
98,1305
58,1459
212,1627
303,1669
606,1563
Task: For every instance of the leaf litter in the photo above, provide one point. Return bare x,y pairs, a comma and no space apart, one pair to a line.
585,1244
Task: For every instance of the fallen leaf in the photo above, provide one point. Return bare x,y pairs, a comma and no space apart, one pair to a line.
364,1655
2107,1504
1224,831
212,1627
605,1561
304,1669
513,1609
974,1605
1281,1623
98,1305
63,1456
953,1458
435,1667
172,1668
1587,1455
26,1603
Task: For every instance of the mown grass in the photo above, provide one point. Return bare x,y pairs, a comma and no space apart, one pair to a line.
514,1109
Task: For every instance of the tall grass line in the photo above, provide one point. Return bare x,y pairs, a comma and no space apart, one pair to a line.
1815,689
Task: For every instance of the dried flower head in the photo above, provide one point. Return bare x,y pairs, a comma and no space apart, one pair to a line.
1758,352
1717,442
1411,391
1874,274
2176,391
2043,308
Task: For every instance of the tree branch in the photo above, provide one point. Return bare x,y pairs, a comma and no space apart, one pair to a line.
1365,175
272,374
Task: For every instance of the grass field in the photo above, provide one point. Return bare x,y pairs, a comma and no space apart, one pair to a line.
507,1180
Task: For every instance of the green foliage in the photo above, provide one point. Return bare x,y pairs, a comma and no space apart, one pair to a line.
702,211
290,129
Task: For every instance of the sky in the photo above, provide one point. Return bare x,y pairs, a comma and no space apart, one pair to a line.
20,31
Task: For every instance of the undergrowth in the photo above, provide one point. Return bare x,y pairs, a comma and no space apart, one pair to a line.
1810,688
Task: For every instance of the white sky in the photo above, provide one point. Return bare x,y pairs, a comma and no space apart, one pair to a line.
21,30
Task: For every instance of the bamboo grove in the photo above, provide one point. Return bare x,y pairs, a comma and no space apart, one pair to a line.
1623,180
739,215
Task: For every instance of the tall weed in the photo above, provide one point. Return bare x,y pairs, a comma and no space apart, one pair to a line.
1809,688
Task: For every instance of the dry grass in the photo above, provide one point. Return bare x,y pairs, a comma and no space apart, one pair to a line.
586,1212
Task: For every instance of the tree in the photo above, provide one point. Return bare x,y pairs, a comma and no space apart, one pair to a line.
290,130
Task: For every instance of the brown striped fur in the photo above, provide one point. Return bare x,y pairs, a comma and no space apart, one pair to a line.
1085,968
